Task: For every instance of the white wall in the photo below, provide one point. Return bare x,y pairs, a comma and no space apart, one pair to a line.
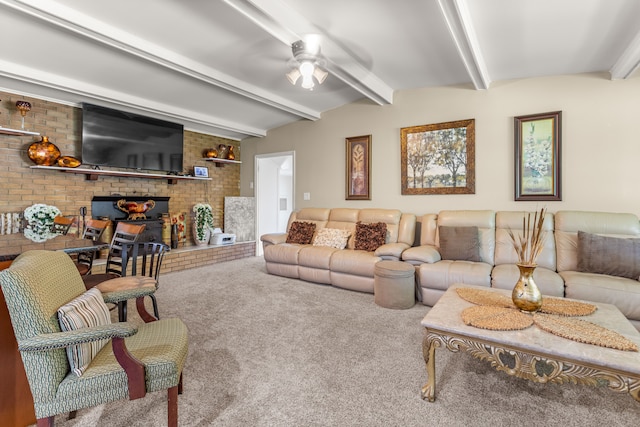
600,144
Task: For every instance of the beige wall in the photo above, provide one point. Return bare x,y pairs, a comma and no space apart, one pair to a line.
600,145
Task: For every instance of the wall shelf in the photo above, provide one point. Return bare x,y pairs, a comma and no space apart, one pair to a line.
92,174
19,132
220,162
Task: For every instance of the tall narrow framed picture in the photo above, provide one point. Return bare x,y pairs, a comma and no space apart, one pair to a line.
438,158
538,139
358,168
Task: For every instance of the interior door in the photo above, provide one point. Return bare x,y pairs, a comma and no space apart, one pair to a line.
274,182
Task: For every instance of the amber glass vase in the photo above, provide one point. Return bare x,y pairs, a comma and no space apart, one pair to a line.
43,153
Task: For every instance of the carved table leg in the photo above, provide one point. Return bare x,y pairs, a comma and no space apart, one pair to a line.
429,353
634,389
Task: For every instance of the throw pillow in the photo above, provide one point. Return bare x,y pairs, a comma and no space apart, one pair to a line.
459,243
89,309
614,256
301,232
370,237
332,237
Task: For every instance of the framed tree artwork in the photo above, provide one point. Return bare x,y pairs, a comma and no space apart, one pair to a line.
537,156
358,168
438,158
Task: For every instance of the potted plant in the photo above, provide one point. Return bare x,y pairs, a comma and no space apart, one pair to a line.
203,223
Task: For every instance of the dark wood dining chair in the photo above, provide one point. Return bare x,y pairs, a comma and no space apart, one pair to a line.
141,263
124,233
93,231
61,224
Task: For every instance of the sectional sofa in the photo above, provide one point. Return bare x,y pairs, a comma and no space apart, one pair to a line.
593,256
340,264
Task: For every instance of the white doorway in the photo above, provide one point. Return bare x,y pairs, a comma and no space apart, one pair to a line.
274,177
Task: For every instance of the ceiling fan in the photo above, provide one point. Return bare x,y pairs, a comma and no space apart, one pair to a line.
307,62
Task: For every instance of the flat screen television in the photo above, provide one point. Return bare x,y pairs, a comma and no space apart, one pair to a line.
127,140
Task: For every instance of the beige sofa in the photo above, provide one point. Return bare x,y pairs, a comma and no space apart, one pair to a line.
346,268
558,273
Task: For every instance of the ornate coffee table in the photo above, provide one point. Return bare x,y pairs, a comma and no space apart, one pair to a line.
533,353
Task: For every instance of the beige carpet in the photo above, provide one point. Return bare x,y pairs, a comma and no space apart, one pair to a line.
271,351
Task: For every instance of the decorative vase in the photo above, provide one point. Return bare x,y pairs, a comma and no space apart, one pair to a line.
230,154
43,153
205,237
68,162
106,237
166,229
211,153
222,151
526,295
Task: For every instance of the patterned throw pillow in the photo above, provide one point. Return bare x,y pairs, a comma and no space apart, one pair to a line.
87,310
301,232
332,237
370,237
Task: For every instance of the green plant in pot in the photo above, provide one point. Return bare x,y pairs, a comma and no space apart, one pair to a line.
203,223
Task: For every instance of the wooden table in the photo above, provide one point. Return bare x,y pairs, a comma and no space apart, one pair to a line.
531,353
90,246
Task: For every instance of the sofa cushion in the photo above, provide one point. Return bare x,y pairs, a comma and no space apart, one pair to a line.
459,243
370,237
301,232
89,309
622,292
332,237
608,255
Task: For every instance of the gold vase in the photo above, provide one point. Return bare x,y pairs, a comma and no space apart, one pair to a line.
43,153
526,295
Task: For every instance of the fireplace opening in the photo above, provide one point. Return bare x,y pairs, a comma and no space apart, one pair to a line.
108,207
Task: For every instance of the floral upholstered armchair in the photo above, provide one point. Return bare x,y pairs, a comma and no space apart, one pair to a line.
73,355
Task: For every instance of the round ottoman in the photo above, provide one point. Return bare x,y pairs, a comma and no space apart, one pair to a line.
394,284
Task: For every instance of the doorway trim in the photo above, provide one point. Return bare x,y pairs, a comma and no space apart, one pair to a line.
260,190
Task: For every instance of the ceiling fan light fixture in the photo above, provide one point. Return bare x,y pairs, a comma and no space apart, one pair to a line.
307,63
293,76
320,74
307,82
306,69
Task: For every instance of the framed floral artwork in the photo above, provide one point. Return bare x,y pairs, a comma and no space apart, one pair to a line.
537,156
358,168
438,158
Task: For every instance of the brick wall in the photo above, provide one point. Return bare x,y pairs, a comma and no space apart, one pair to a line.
22,186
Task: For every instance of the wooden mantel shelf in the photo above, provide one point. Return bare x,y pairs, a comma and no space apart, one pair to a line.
92,174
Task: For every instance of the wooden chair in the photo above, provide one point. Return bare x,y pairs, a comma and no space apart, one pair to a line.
93,231
141,263
61,224
136,358
124,233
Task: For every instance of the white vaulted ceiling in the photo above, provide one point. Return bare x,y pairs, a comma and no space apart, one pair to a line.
218,66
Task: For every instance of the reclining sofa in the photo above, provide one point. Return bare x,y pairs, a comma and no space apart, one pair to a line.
593,256
341,264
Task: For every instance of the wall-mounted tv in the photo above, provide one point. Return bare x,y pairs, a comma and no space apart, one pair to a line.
127,140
